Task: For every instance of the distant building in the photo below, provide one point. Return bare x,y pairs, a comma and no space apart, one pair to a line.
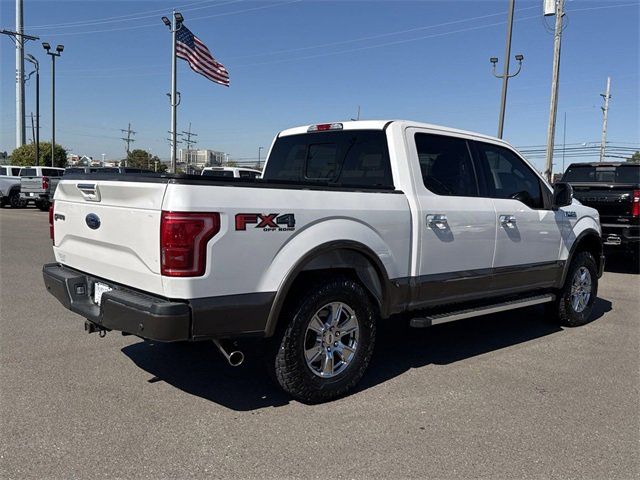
201,158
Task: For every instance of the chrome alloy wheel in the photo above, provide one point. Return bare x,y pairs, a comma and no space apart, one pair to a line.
331,340
581,287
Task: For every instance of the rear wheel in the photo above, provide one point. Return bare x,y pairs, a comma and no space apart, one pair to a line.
43,205
15,201
575,300
325,348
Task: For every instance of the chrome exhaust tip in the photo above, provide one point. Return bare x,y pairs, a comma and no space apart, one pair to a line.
234,357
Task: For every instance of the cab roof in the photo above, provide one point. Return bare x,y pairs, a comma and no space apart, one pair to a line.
382,124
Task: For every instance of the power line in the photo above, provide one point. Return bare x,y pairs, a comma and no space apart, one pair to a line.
148,25
127,17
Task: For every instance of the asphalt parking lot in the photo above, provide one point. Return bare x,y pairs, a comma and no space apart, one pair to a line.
502,396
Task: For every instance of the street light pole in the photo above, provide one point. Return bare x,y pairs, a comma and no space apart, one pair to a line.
59,49
32,59
506,75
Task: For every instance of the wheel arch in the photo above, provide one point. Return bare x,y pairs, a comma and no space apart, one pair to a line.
588,240
339,255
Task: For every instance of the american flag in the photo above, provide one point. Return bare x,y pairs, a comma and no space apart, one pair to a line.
191,49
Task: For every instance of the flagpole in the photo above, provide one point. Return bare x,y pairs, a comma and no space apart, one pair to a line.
174,86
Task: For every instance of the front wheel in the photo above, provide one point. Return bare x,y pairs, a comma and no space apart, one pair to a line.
575,300
327,344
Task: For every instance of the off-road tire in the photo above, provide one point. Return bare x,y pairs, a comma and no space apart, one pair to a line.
562,309
286,359
15,201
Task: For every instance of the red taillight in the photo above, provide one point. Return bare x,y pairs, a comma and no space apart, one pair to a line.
45,183
51,232
183,242
635,209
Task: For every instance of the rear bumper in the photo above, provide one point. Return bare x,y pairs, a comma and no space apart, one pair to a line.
157,318
620,237
34,196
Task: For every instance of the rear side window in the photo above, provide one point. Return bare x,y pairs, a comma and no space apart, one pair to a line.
351,158
50,172
508,176
3,171
446,165
28,172
15,171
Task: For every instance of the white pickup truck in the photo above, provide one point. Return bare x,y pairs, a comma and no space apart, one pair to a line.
352,222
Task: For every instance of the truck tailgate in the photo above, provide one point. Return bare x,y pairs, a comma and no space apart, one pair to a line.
111,229
614,202
31,185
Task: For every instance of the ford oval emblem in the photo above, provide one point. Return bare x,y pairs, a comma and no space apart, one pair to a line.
93,221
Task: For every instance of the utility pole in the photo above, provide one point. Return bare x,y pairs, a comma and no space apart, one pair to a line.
189,142
553,110
33,129
128,140
605,112
19,38
20,117
506,75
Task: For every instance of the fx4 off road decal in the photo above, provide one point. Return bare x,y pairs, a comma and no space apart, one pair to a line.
271,222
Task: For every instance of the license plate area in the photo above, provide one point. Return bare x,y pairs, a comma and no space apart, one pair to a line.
99,289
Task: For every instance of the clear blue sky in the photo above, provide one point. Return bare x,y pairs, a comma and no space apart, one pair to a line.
299,62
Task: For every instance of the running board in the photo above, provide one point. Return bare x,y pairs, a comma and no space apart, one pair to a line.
452,316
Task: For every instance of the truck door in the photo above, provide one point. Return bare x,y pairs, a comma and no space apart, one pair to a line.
529,232
457,227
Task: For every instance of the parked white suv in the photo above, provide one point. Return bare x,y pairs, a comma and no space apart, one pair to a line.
351,223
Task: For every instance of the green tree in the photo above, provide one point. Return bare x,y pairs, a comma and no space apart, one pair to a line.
26,155
635,158
139,158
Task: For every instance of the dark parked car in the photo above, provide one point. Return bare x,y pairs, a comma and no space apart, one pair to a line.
614,190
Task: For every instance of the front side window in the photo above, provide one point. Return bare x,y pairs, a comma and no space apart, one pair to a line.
508,176
446,165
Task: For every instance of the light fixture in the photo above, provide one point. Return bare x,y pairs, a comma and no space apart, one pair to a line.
166,21
59,48
519,57
179,17
46,46
493,60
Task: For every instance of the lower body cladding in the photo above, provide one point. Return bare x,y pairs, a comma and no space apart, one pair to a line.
156,318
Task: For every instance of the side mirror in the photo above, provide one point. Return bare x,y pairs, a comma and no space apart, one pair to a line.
562,195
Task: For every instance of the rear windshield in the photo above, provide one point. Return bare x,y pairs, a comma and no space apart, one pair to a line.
28,172
218,173
352,158
604,174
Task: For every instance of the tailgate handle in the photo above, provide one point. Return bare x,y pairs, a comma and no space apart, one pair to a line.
89,191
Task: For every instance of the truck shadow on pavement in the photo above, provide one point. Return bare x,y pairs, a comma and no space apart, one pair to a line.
200,370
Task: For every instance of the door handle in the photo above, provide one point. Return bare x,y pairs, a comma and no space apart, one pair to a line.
438,221
508,221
